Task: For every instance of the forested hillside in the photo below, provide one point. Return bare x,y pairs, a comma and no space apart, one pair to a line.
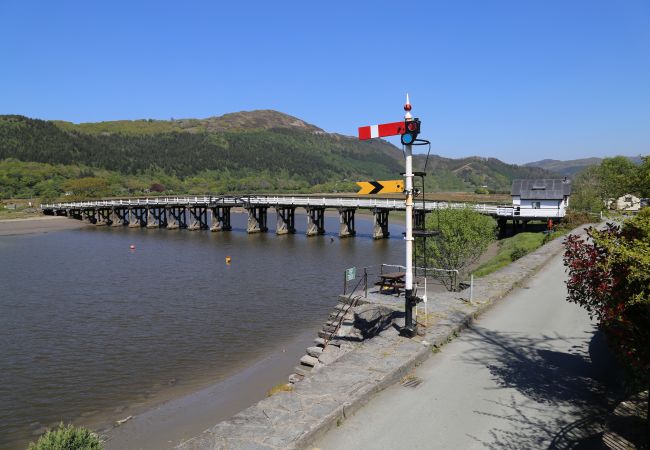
247,151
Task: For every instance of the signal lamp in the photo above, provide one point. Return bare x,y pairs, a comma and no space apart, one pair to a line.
412,128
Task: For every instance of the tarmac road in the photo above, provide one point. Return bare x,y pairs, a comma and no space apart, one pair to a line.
532,373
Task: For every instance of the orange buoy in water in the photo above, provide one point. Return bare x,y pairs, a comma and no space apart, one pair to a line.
132,247
228,259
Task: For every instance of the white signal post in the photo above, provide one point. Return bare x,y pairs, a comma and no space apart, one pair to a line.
409,130
409,326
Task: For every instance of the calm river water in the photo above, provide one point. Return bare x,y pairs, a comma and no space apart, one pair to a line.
88,327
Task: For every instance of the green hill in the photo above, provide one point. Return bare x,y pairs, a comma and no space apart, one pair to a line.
572,167
246,151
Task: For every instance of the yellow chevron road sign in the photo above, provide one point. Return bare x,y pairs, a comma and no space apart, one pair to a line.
381,187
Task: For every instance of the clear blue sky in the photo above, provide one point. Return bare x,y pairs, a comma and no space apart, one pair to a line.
518,80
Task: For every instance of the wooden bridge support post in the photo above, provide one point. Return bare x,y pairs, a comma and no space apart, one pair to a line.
176,218
198,218
151,218
346,222
315,220
88,215
76,214
256,219
286,219
137,217
221,218
133,221
380,227
117,219
103,217
160,216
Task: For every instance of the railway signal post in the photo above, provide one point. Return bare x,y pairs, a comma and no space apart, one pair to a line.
409,130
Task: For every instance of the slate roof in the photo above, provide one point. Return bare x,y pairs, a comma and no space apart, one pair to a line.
541,189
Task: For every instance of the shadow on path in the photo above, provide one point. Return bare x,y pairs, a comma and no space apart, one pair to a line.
566,394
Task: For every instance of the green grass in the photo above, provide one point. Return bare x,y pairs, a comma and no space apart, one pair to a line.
513,248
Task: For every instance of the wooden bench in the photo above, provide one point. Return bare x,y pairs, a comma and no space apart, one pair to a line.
393,281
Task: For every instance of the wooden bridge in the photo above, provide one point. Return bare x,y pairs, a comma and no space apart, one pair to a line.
213,213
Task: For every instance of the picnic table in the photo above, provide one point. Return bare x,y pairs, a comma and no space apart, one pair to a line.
393,281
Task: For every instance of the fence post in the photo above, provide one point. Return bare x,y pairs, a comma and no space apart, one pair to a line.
365,281
345,282
471,288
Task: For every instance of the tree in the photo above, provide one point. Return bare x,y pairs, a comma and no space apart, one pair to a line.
587,192
609,275
464,237
643,179
88,187
618,176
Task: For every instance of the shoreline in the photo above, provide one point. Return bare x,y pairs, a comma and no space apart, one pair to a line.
169,421
38,225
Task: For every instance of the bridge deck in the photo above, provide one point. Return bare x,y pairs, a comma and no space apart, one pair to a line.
322,202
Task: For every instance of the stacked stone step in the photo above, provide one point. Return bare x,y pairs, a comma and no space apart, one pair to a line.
327,345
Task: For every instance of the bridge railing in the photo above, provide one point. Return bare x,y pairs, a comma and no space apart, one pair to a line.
326,202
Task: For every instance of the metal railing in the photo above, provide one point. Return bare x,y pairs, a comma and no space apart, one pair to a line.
453,274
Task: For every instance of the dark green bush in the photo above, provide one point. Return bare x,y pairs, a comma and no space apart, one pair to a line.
67,437
517,253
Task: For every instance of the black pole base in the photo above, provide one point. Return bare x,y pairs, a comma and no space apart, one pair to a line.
408,332
410,328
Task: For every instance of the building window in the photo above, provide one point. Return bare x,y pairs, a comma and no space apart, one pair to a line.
628,199
537,205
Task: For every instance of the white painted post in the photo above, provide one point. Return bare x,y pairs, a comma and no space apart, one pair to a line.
471,288
424,300
408,285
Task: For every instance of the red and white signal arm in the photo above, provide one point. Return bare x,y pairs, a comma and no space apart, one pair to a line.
382,130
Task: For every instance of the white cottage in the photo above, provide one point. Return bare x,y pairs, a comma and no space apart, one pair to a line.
540,199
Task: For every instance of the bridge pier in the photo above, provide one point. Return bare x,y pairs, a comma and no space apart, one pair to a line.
159,217
76,214
380,223
88,215
176,217
315,220
102,217
256,219
58,212
198,218
119,217
220,218
346,222
137,217
286,219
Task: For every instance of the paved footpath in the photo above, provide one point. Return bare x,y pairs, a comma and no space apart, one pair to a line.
531,373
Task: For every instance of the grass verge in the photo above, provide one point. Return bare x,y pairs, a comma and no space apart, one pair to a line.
513,248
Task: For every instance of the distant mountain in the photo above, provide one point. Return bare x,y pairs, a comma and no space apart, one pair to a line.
261,145
571,167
